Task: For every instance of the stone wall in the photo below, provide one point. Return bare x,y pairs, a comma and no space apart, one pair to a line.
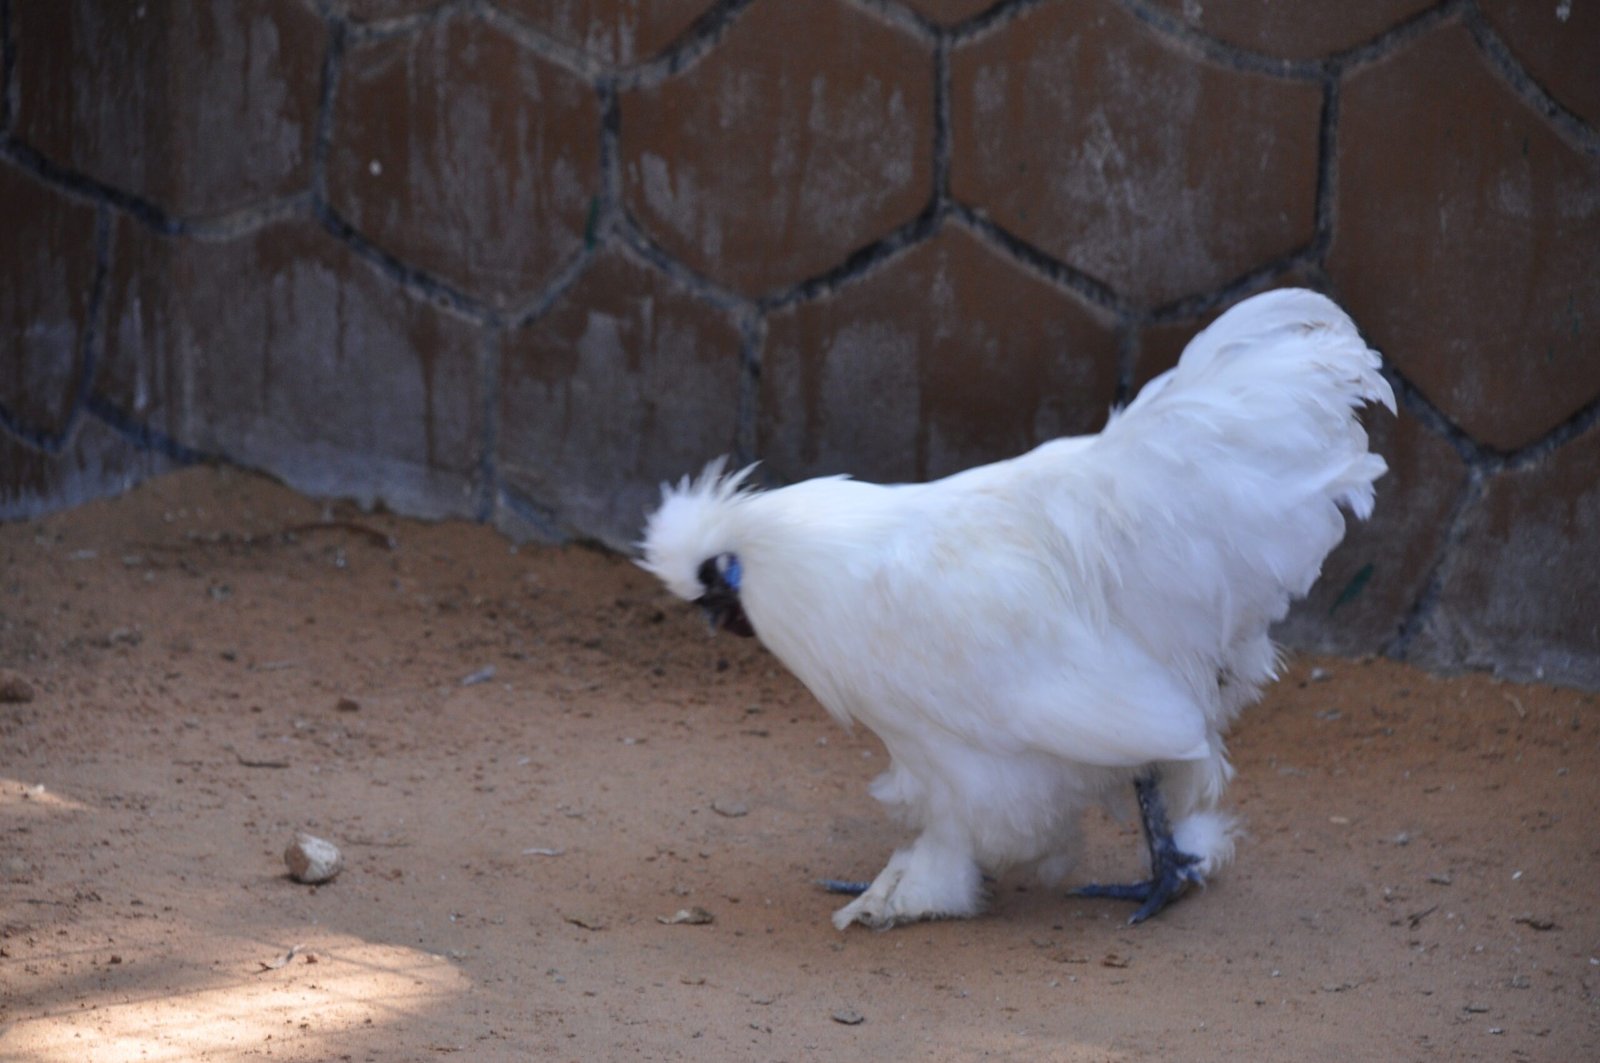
521,260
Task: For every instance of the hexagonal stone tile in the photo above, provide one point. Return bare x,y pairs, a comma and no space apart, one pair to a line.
462,153
1559,44
1469,256
94,462
627,382
201,108
1371,580
284,351
804,135
615,32
47,262
1079,130
1522,591
1298,31
949,356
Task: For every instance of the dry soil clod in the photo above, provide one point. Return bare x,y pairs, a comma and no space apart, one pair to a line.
695,916
14,690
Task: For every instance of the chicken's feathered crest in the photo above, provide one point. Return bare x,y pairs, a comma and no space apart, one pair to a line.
692,524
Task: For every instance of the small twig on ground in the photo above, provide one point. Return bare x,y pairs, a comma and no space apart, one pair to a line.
1415,918
229,539
373,843
280,961
379,538
248,763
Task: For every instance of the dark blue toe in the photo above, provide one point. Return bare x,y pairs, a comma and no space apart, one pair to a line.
1169,881
1173,881
845,886
1133,891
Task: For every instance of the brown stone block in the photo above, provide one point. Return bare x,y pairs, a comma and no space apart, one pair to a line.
464,154
628,381
284,351
805,134
1465,241
1371,580
1295,31
1558,44
47,261
199,107
949,356
1522,591
616,32
94,462
1084,132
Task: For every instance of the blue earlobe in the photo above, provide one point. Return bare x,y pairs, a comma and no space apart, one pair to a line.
733,573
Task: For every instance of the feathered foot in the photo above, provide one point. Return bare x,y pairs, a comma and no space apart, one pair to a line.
930,879
1172,871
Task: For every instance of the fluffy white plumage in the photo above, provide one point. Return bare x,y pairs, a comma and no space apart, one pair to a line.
1028,637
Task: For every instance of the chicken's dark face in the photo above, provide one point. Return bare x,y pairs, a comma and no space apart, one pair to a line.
720,576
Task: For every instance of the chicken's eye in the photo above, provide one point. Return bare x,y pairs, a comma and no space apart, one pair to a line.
722,571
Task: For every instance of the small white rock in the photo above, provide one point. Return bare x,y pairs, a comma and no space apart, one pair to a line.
312,860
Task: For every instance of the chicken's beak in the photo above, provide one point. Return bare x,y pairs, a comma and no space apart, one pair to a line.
722,609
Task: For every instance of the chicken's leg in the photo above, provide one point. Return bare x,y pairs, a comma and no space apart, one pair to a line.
1171,869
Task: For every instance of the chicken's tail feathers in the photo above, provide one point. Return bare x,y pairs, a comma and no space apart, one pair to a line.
693,523
1295,313
1221,484
1291,343
1275,382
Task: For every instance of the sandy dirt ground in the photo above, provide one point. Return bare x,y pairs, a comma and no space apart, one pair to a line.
193,672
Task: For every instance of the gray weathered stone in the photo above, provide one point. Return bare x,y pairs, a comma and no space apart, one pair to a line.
628,381
199,107
1521,591
284,351
47,263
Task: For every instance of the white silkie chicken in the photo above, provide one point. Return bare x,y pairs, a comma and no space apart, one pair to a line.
1031,636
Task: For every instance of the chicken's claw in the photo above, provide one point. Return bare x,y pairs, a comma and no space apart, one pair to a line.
1164,886
1172,870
